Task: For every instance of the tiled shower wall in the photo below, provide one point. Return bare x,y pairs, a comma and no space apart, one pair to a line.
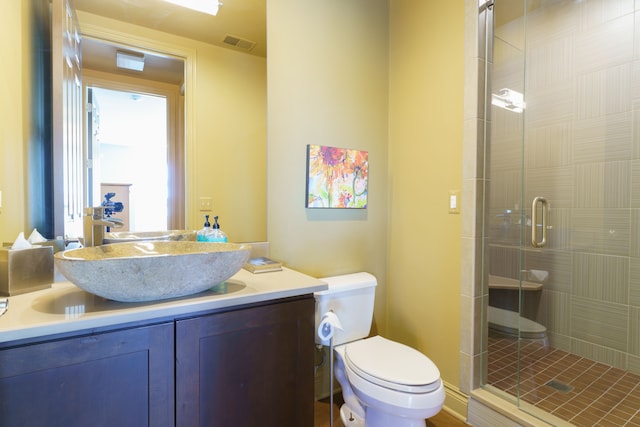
582,152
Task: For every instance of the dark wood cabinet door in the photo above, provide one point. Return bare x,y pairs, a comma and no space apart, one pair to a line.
121,378
247,368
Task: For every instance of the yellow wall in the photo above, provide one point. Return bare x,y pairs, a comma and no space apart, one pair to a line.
332,87
327,84
14,30
425,158
230,149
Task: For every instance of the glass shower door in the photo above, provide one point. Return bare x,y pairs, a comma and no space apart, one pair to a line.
563,207
508,213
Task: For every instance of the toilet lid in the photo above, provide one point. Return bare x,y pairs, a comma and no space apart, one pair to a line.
392,365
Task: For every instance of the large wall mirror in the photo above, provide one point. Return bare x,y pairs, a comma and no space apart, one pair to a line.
136,123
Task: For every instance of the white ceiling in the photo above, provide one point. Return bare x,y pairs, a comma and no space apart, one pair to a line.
245,19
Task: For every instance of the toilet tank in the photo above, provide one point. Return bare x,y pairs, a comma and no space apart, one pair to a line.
351,298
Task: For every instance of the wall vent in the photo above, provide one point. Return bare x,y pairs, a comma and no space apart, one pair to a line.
239,42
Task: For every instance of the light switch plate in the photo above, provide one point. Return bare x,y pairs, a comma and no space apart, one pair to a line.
205,204
454,201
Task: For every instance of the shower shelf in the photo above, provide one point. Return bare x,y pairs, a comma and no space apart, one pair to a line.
498,282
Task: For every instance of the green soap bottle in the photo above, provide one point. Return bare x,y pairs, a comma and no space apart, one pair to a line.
206,233
217,235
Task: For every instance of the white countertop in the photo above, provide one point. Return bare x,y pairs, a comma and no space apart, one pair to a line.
66,308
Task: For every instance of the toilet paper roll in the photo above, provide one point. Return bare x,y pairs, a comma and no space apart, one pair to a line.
328,324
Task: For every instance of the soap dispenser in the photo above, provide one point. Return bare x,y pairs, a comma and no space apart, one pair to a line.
217,235
206,233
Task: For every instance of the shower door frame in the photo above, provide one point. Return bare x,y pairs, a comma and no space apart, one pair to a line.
518,212
512,213
484,403
478,273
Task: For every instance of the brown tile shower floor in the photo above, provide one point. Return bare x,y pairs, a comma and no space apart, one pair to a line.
575,389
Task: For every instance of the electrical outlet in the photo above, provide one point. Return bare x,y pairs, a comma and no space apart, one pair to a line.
205,204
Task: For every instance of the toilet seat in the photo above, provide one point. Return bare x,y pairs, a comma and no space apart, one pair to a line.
395,366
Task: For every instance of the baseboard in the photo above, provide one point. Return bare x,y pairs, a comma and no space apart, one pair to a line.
455,402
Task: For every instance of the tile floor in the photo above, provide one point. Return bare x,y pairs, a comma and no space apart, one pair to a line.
575,389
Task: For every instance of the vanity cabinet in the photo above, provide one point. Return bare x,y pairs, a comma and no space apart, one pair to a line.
120,378
251,367
248,366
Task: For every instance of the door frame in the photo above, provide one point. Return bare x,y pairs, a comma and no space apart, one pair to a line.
175,134
186,107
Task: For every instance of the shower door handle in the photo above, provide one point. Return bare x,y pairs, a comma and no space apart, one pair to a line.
542,202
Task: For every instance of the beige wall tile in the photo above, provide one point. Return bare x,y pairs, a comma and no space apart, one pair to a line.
601,230
596,321
601,277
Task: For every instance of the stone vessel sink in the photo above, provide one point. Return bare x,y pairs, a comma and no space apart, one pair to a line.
149,271
140,236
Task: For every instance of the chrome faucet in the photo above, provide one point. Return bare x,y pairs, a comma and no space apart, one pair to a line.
94,223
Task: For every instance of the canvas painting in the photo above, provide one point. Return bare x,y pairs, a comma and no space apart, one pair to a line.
336,177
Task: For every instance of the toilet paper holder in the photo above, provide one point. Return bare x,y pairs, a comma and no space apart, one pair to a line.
326,330
327,326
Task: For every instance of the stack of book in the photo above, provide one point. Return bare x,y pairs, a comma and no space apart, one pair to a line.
262,265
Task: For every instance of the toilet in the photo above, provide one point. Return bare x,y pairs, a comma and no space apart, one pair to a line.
509,324
384,383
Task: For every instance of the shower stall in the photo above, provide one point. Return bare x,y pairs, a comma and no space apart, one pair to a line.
561,208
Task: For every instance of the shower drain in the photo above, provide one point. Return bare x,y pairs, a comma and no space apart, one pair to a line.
561,387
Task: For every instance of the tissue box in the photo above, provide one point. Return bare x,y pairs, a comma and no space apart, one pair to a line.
25,270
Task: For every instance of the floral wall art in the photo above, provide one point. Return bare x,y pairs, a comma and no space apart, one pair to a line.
336,177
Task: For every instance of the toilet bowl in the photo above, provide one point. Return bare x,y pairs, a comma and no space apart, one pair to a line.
395,385
510,324
384,383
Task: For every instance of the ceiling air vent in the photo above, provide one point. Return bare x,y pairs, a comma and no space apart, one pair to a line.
239,42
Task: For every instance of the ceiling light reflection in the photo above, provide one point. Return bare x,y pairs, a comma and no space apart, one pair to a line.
509,99
205,6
